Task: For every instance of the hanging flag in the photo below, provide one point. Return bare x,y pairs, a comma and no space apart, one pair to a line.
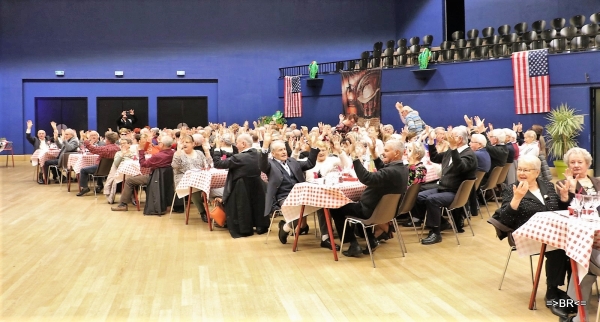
531,81
292,97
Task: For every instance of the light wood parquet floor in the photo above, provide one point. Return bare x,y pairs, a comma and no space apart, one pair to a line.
68,258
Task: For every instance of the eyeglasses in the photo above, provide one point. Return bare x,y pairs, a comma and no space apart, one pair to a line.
524,170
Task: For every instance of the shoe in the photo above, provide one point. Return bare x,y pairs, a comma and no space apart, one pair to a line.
304,230
204,217
411,224
259,230
41,181
327,244
119,207
566,319
561,312
99,189
374,244
133,202
445,226
383,237
283,235
432,238
354,251
83,192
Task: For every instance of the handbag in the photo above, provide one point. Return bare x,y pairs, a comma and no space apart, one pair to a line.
218,214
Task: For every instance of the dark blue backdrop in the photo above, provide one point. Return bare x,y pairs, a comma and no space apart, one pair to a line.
239,44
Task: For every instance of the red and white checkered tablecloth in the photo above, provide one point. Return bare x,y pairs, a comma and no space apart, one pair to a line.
79,161
432,171
559,230
316,196
203,180
40,156
130,168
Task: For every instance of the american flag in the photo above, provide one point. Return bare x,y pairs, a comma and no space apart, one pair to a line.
292,97
532,81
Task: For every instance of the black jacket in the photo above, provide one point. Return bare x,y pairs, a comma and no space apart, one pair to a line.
463,167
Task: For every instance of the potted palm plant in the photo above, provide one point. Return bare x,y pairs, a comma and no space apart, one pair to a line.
563,127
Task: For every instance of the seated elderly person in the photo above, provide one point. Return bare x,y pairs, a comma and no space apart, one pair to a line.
162,159
283,173
411,118
106,151
125,154
39,143
578,161
243,191
531,145
186,158
391,177
459,163
68,142
521,201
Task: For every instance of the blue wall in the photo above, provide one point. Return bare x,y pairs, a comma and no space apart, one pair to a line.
420,18
484,13
241,44
483,88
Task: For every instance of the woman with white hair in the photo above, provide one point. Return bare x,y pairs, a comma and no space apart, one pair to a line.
521,201
531,145
578,161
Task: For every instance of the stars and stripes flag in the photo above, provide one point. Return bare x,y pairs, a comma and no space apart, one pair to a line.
292,97
531,81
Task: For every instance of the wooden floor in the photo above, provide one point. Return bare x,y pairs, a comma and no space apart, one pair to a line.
68,258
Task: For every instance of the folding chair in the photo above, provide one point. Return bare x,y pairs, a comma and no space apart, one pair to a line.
102,171
8,146
490,185
408,202
384,213
478,178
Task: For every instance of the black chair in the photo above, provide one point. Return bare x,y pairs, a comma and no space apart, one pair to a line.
597,42
481,53
537,44
408,202
463,53
487,32
473,33
539,26
521,28
580,43
499,51
577,21
401,56
376,61
351,64
591,30
495,39
445,45
529,37
414,51
548,35
364,60
414,41
512,41
435,56
460,43
448,55
558,24
102,171
390,44
458,35
476,42
558,45
427,40
378,46
388,57
402,42
504,30
595,18
568,32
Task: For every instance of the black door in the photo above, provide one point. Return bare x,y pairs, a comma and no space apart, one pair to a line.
190,110
72,112
109,111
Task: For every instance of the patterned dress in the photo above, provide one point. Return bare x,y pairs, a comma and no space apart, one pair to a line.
183,162
416,173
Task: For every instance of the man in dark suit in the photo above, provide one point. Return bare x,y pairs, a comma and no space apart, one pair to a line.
283,173
127,120
243,188
38,142
497,150
459,163
391,177
68,142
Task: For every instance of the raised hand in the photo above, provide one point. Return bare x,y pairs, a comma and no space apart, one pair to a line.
451,140
367,122
336,146
359,150
520,190
490,126
372,144
399,106
218,142
341,117
563,190
53,124
131,112
571,179
246,124
469,121
29,124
